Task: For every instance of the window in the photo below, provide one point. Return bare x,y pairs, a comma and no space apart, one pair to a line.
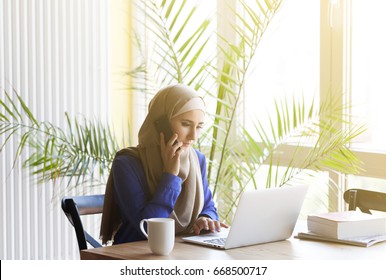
368,72
287,60
309,48
368,91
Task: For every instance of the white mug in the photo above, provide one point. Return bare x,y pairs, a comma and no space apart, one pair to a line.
160,234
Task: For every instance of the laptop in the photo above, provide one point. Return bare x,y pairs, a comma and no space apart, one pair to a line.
261,216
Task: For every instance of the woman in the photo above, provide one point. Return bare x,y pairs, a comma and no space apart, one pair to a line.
161,177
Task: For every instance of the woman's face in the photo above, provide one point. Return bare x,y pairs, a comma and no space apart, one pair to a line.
188,126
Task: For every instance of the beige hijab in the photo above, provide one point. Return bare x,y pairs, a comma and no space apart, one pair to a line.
170,101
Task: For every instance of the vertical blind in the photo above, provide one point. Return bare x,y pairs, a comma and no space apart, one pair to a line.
53,53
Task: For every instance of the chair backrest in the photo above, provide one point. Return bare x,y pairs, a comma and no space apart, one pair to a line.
76,206
365,200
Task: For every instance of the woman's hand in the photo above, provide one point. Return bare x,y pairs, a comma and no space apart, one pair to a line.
207,224
170,153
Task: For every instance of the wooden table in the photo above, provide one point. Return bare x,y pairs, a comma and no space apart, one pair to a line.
282,250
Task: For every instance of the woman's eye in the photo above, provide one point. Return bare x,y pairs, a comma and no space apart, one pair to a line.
188,124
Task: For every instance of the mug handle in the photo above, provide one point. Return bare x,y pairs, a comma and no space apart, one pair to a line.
142,228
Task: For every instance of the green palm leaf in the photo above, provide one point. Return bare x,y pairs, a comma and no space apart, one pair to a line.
179,42
73,154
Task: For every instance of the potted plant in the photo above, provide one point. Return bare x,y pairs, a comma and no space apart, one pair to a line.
83,152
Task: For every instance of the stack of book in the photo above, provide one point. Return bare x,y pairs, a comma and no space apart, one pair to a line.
349,227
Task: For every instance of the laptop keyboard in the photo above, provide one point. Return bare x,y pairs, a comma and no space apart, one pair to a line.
216,241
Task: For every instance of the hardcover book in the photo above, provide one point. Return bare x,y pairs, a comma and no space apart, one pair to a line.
346,224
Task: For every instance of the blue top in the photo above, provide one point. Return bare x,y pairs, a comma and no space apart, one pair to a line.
129,190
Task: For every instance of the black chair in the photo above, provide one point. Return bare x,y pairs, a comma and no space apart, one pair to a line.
365,200
76,206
